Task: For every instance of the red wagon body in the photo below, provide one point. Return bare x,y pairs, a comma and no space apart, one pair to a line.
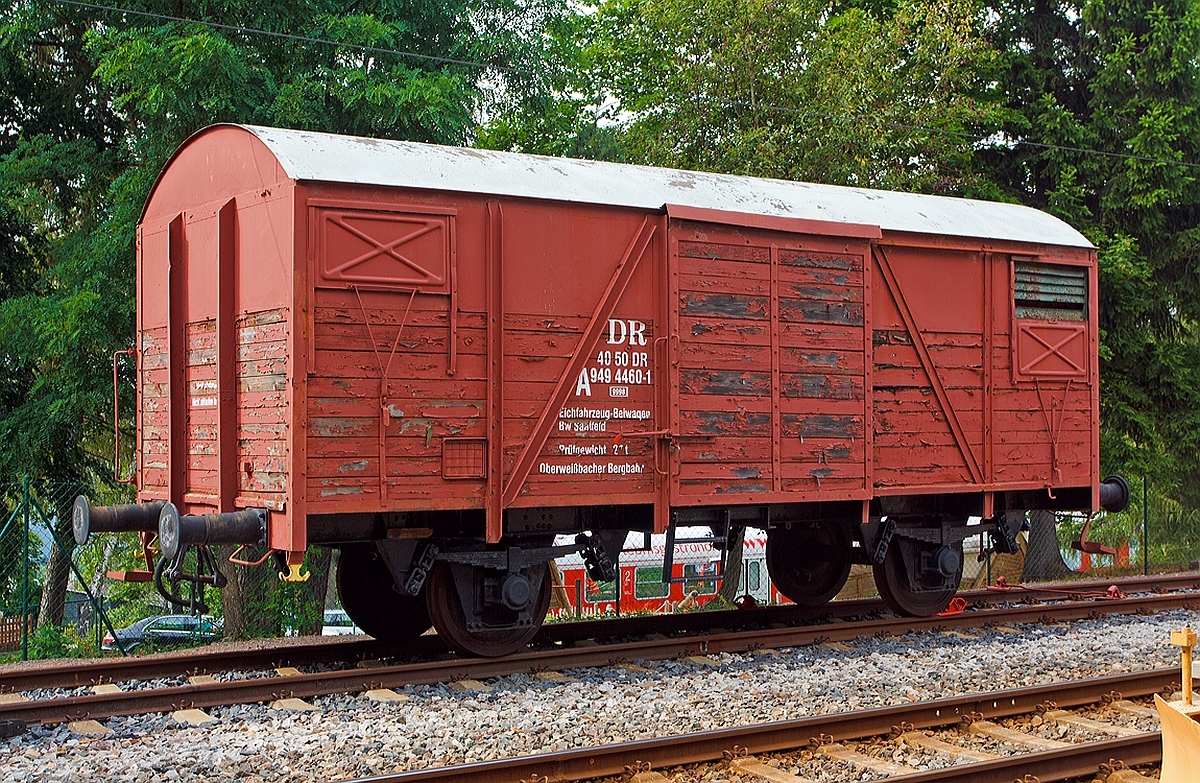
357,335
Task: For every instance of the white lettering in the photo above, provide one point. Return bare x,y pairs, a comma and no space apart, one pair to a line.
637,333
573,450
613,323
574,469
583,386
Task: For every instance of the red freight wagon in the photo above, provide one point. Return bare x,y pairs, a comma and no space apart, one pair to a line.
438,358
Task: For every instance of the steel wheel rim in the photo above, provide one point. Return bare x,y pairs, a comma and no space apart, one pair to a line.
445,609
892,583
368,594
783,566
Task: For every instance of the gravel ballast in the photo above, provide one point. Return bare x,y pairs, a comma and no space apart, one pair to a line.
349,736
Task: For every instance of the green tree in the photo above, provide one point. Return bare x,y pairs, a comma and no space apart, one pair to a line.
799,89
93,103
1119,77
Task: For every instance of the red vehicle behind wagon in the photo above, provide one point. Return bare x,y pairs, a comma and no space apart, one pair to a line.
438,359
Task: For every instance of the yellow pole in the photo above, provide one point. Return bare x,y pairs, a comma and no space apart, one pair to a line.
1185,640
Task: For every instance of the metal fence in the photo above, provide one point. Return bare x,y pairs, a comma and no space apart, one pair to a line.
1156,533
62,600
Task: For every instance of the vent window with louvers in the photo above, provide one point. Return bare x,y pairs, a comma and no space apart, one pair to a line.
1049,292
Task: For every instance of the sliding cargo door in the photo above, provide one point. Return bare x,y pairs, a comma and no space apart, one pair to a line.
394,408
768,364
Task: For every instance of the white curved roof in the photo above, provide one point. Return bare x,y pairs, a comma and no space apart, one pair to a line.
326,157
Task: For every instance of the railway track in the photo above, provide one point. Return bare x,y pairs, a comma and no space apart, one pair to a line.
335,650
197,694
831,736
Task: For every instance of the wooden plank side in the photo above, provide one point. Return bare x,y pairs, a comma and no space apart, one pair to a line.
726,383
822,425
806,257
721,331
263,415
822,387
952,377
725,306
200,407
715,249
808,275
350,388
801,359
155,410
349,363
725,450
732,282
944,356
767,363
736,423
815,311
824,450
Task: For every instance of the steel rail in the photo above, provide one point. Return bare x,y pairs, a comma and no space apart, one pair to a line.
349,649
692,622
1069,763
357,680
679,750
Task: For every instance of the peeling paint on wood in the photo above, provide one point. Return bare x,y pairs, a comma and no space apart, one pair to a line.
725,305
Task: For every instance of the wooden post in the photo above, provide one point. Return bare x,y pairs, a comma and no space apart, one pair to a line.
1185,640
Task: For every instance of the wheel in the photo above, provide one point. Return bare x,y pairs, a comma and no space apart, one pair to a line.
891,579
369,596
808,562
446,609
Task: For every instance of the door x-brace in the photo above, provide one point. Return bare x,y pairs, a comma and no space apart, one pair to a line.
935,381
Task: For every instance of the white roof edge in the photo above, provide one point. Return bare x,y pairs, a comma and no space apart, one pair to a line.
325,157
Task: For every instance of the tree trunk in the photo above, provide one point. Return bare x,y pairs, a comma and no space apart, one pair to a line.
58,572
732,578
1043,559
233,597
310,595
110,543
262,602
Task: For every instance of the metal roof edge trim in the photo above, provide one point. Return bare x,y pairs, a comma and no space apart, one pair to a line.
774,222
579,181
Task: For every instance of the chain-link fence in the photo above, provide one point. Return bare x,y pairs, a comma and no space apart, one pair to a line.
1155,534
62,600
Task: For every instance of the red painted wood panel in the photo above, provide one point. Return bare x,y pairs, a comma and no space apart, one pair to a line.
770,361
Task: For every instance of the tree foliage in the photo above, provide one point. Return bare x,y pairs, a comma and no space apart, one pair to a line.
1120,78
92,105
799,89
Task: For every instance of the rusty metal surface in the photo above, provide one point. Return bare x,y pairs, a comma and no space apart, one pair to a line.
343,649
793,735
352,680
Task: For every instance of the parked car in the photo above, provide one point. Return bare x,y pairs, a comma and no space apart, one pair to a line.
166,630
338,623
